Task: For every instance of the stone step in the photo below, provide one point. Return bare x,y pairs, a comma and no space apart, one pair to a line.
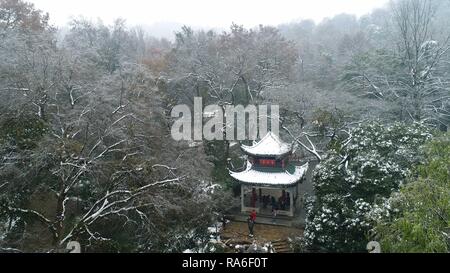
281,242
284,249
281,252
282,246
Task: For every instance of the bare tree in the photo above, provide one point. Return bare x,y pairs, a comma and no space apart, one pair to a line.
232,68
87,132
411,71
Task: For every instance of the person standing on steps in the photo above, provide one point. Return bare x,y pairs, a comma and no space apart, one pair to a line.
251,226
251,223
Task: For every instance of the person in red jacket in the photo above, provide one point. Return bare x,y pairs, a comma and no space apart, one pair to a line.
253,216
251,222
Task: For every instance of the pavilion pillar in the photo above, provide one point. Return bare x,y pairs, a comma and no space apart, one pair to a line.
292,208
242,199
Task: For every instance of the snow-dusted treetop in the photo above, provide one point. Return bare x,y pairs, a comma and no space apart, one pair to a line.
281,178
270,145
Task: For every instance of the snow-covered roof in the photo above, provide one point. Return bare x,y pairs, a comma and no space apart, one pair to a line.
281,178
270,145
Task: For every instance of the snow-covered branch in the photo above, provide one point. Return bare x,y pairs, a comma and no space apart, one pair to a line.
115,203
311,149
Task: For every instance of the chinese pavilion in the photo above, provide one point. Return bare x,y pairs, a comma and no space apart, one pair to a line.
269,180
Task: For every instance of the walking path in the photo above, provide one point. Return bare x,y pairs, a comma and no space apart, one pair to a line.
237,233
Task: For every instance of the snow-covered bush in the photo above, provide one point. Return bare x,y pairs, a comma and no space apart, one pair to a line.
355,177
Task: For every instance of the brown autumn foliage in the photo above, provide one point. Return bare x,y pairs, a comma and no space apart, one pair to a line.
20,14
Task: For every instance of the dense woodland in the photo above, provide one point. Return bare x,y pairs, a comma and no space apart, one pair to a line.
86,152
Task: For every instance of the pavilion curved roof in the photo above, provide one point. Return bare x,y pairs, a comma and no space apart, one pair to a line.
270,145
260,177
